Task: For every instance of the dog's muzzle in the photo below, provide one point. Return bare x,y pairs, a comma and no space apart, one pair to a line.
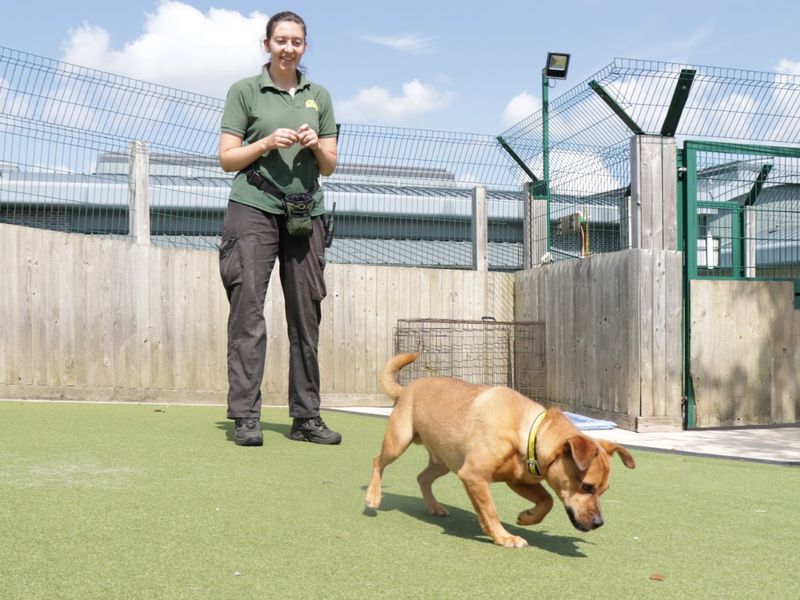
597,521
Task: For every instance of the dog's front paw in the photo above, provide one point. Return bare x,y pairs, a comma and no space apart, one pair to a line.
511,541
437,510
529,517
373,498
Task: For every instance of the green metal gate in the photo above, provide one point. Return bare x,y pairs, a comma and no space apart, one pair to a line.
739,218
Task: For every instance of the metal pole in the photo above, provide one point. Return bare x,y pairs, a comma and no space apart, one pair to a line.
546,148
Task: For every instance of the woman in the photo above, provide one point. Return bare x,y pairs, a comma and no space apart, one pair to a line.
279,133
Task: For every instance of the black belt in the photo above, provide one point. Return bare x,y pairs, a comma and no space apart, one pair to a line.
255,179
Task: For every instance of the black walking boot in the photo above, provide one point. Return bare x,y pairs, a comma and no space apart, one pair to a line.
315,431
248,432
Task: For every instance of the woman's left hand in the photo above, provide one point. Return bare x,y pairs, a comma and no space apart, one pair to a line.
324,149
307,137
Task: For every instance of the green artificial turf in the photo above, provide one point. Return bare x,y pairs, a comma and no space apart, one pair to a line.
145,501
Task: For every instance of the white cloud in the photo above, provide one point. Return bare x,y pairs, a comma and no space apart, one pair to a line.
576,172
581,172
180,47
520,107
377,105
11,103
679,49
694,39
788,66
784,102
413,43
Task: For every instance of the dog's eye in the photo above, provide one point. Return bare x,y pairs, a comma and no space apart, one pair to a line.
587,488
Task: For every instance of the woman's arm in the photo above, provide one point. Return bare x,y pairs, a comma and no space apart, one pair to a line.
325,151
326,154
234,156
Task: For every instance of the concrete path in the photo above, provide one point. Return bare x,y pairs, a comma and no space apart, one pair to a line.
777,444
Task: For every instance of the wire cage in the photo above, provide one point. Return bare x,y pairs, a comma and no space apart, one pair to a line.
510,353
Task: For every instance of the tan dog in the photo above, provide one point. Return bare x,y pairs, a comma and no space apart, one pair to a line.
483,435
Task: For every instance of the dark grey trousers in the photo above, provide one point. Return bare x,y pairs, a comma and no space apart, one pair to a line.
252,240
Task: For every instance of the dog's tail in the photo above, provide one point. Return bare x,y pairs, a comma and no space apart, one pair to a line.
388,377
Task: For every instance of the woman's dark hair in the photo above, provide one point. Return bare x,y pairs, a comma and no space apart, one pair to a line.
285,16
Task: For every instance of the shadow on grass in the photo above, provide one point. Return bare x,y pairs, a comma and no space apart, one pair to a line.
464,524
228,427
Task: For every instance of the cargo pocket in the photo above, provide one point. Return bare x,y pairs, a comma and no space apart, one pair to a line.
317,261
320,289
230,262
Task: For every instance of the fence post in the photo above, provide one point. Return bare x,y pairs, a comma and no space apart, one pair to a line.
527,228
750,233
654,192
480,230
139,197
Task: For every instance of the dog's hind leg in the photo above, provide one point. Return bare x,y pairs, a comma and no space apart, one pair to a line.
396,440
541,498
431,473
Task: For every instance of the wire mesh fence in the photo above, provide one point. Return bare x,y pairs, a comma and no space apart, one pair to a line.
403,196
406,194
489,352
65,132
593,194
589,157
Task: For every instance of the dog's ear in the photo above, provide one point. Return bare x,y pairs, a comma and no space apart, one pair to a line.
582,449
626,457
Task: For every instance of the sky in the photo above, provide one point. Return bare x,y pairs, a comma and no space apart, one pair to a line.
446,65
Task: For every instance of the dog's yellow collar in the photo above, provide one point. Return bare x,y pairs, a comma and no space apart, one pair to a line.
533,462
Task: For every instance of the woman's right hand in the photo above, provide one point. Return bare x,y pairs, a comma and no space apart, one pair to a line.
281,138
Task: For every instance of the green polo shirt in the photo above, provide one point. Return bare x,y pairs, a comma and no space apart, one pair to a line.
255,108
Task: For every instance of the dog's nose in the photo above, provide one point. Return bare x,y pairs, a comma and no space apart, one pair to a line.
597,521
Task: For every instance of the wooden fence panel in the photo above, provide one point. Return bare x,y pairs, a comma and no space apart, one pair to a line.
606,322
97,319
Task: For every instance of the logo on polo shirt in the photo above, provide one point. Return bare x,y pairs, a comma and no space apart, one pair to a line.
312,104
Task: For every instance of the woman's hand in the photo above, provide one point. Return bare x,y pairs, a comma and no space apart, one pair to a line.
307,137
324,149
234,155
282,138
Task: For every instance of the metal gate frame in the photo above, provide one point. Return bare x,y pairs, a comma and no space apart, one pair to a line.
688,236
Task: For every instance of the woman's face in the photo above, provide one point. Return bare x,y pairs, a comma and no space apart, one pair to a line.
286,45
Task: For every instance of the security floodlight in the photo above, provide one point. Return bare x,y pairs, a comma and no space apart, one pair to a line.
555,68
557,65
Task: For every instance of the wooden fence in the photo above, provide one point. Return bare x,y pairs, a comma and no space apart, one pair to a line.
97,319
613,325
83,318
